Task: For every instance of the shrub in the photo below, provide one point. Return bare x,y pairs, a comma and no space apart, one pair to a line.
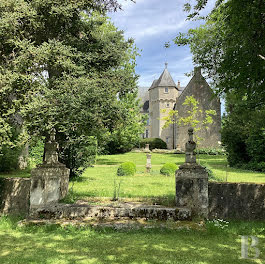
9,154
168,169
126,168
78,154
253,166
210,173
211,151
9,158
36,149
154,143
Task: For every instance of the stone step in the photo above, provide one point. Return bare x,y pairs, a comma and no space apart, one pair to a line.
86,211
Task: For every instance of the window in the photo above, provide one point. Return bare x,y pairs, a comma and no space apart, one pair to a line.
148,122
146,133
166,90
167,140
167,105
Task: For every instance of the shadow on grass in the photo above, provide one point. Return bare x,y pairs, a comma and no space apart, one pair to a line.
107,162
53,244
16,173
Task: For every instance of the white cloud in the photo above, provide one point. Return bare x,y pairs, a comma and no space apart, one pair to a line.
149,18
152,23
141,31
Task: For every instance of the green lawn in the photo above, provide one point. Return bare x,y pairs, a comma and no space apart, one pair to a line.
99,180
71,245
50,244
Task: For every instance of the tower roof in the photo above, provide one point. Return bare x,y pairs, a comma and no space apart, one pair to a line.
165,79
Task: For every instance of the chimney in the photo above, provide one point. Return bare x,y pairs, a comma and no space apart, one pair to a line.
178,85
197,70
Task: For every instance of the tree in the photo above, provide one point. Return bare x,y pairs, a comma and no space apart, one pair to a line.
127,134
230,47
191,117
65,67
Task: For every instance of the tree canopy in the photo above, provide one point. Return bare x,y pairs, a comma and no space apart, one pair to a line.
230,48
64,65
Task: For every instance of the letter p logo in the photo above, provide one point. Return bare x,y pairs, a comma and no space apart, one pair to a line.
245,247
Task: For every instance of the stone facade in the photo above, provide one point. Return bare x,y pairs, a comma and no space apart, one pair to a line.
164,95
201,91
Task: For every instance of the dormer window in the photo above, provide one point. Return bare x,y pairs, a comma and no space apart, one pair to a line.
166,90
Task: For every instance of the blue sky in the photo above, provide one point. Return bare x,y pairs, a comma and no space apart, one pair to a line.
152,23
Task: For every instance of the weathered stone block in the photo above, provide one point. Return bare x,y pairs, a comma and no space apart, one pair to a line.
86,211
49,184
50,180
192,189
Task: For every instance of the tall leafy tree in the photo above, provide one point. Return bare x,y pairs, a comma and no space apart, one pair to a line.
64,65
230,48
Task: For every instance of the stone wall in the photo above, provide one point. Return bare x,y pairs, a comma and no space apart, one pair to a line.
244,201
14,196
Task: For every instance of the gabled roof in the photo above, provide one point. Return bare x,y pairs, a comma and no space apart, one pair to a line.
164,80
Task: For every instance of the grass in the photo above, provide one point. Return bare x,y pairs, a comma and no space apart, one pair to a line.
52,244
83,245
16,173
98,181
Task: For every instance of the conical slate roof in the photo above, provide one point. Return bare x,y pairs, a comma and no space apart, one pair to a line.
164,80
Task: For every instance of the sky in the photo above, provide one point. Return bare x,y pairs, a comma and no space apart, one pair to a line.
152,23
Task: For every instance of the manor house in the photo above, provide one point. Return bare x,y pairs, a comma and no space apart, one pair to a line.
164,95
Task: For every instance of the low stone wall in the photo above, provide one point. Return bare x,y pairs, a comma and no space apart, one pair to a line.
86,211
242,201
14,196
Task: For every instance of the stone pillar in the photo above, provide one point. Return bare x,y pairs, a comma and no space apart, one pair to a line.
49,181
192,182
146,149
148,163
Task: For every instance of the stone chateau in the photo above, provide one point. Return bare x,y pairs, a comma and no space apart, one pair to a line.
165,94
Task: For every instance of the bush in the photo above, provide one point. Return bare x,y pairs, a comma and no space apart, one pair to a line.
244,142
253,166
9,154
168,169
210,173
126,168
154,143
9,158
78,154
36,149
211,151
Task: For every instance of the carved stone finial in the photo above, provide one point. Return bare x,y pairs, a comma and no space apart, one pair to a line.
190,148
166,65
51,147
52,135
190,132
